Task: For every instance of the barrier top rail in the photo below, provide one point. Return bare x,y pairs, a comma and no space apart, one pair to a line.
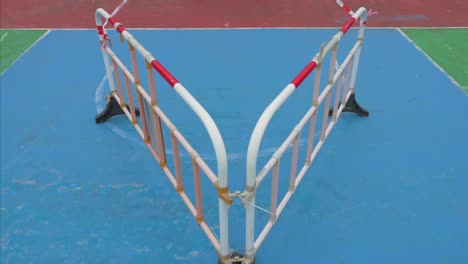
221,182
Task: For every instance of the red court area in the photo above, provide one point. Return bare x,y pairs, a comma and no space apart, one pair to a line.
241,13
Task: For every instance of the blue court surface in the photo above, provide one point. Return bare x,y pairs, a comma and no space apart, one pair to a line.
390,188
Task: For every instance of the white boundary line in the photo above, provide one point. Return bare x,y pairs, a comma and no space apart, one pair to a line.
431,60
32,45
3,37
235,28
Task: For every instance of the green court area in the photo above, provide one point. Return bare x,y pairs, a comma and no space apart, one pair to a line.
448,48
13,43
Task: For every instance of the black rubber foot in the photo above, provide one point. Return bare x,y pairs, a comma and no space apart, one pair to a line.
352,106
235,255
112,109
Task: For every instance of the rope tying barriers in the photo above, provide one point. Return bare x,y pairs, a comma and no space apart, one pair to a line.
116,10
351,12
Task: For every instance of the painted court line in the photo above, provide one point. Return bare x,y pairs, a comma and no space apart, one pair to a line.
32,45
3,37
430,59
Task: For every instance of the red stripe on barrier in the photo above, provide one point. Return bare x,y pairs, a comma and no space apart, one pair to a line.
346,8
348,25
100,30
120,28
164,73
304,73
112,20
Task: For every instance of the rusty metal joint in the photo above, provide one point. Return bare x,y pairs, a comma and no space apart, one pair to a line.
200,219
180,189
223,194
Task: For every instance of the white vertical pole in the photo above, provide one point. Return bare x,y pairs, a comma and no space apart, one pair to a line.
250,227
223,228
252,153
362,27
354,69
110,78
104,53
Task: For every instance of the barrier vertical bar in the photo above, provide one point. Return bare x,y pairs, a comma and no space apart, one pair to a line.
105,56
318,74
313,119
175,150
198,198
108,71
354,69
325,117
328,98
337,97
358,52
274,191
149,71
143,117
347,81
136,74
157,120
292,179
250,227
130,99
119,83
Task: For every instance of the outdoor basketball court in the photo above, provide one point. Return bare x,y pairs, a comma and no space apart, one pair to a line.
389,188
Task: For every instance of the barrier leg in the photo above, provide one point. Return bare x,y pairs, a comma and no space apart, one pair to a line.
157,120
112,109
351,105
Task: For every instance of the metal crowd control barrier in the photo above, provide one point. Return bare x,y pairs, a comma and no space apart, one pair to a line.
347,102
152,117
151,131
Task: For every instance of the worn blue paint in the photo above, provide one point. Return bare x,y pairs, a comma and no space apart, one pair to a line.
390,188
